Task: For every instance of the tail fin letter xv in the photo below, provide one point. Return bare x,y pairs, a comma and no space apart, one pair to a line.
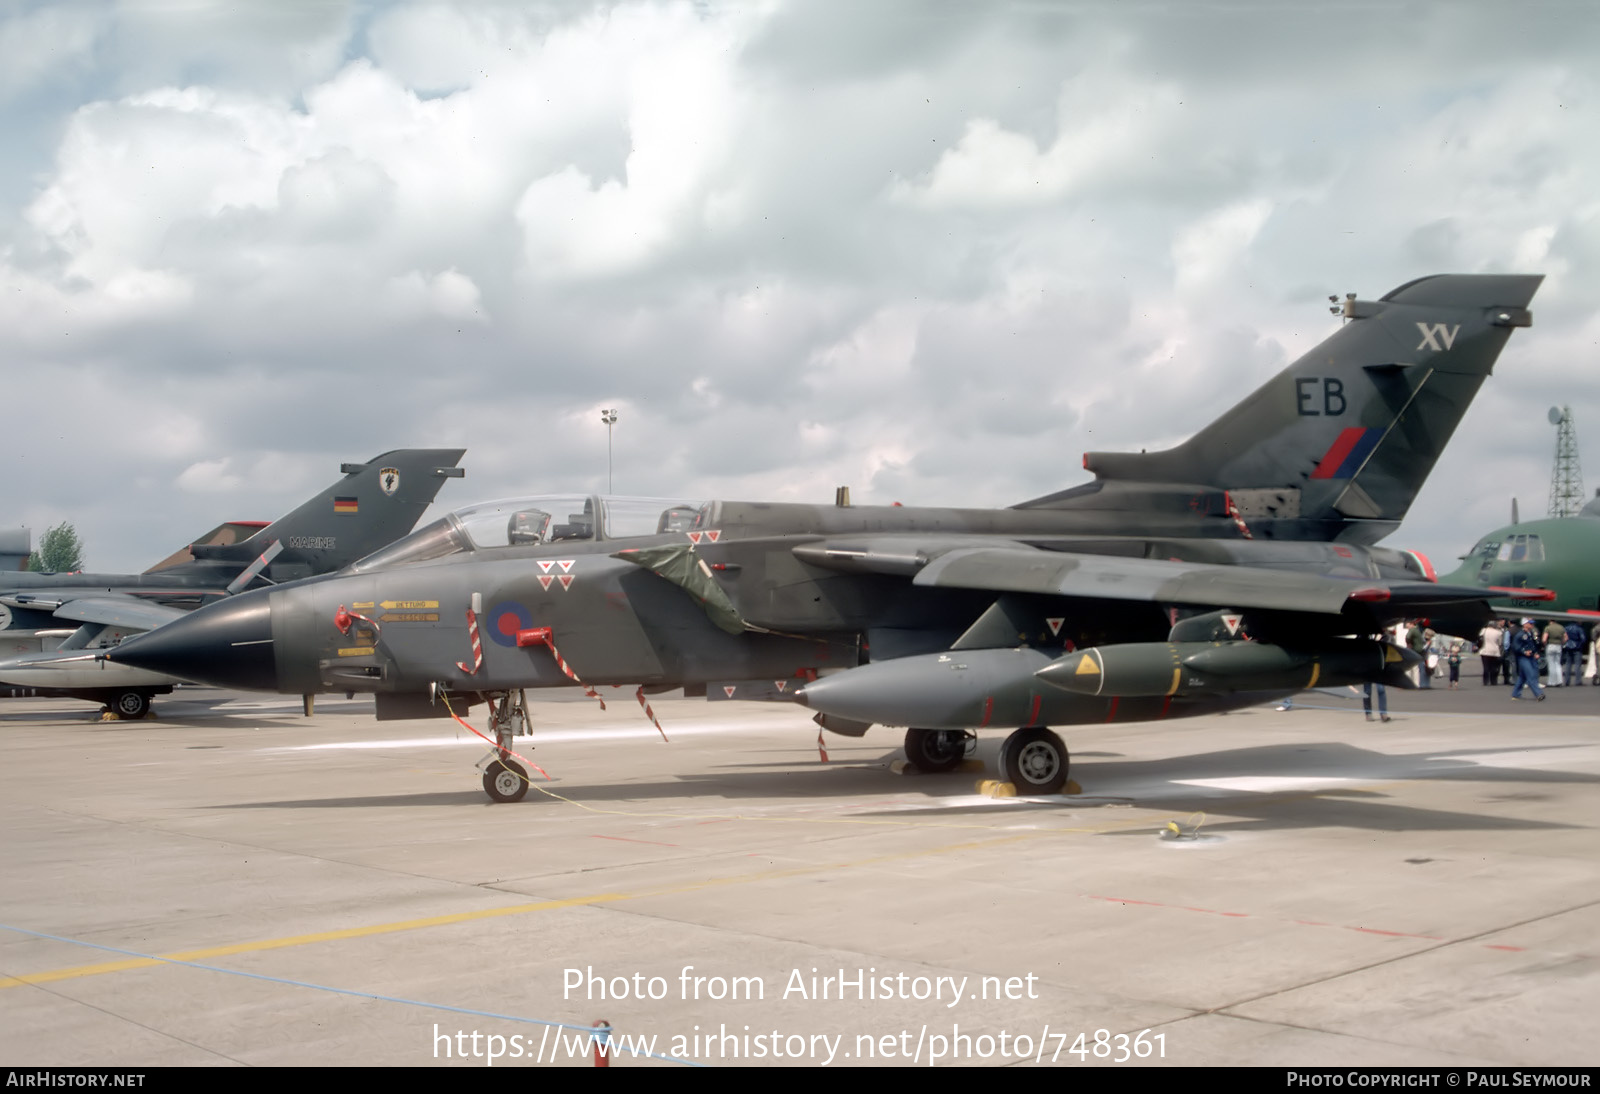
1435,333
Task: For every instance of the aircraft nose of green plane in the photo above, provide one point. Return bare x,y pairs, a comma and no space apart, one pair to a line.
225,645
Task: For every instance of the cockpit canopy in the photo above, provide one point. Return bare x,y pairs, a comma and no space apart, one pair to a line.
534,521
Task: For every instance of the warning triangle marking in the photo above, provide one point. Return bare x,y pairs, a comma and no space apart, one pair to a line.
544,565
545,582
728,690
1087,667
1055,624
694,537
566,581
566,564
781,684
1232,623
714,536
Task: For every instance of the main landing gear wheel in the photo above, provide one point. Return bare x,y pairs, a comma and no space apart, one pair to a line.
1035,761
131,705
935,750
505,781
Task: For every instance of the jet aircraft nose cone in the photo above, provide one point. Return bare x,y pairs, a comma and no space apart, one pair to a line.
226,645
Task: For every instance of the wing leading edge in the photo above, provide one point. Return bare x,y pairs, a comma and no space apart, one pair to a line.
1017,568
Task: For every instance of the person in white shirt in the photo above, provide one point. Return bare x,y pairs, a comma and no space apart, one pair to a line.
1489,651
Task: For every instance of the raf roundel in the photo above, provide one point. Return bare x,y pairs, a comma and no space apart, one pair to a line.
505,620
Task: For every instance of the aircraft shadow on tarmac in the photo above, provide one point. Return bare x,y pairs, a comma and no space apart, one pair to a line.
195,708
1297,786
1300,785
455,798
790,784
92,721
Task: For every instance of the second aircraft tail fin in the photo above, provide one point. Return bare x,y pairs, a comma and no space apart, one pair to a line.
375,504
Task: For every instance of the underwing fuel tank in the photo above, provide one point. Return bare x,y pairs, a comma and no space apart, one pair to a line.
990,689
1013,688
1215,668
962,688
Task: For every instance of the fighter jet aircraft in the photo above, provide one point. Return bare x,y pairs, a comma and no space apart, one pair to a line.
372,505
1232,568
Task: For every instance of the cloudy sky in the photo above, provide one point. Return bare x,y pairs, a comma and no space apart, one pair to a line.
932,250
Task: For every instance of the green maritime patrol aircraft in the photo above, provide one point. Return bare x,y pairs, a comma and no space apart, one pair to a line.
1558,555
1224,572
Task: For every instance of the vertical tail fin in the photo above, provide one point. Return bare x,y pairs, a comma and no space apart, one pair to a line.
375,504
1338,444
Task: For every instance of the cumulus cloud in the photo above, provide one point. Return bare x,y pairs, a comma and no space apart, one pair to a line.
1111,131
210,477
1203,252
448,293
932,253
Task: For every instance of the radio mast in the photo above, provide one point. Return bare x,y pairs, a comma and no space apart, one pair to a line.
1566,478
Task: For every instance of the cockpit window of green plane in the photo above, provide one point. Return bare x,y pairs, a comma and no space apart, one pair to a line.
1522,548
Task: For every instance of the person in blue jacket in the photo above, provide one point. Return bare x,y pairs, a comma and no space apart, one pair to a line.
1572,655
1526,647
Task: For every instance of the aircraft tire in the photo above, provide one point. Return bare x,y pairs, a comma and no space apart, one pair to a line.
936,750
1035,760
505,781
131,705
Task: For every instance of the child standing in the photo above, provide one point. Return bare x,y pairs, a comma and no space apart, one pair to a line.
1454,661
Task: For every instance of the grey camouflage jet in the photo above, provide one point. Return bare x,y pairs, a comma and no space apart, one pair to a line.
1236,567
372,505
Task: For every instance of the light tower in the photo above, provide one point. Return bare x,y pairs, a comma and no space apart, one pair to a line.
1566,478
610,418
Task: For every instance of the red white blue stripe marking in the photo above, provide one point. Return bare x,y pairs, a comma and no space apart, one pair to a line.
1348,452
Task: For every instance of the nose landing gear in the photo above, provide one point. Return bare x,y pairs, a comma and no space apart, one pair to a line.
505,780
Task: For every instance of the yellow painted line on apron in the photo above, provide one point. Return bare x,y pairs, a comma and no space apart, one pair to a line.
303,939
209,952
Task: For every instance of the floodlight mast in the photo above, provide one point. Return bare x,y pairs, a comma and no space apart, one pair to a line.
608,416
